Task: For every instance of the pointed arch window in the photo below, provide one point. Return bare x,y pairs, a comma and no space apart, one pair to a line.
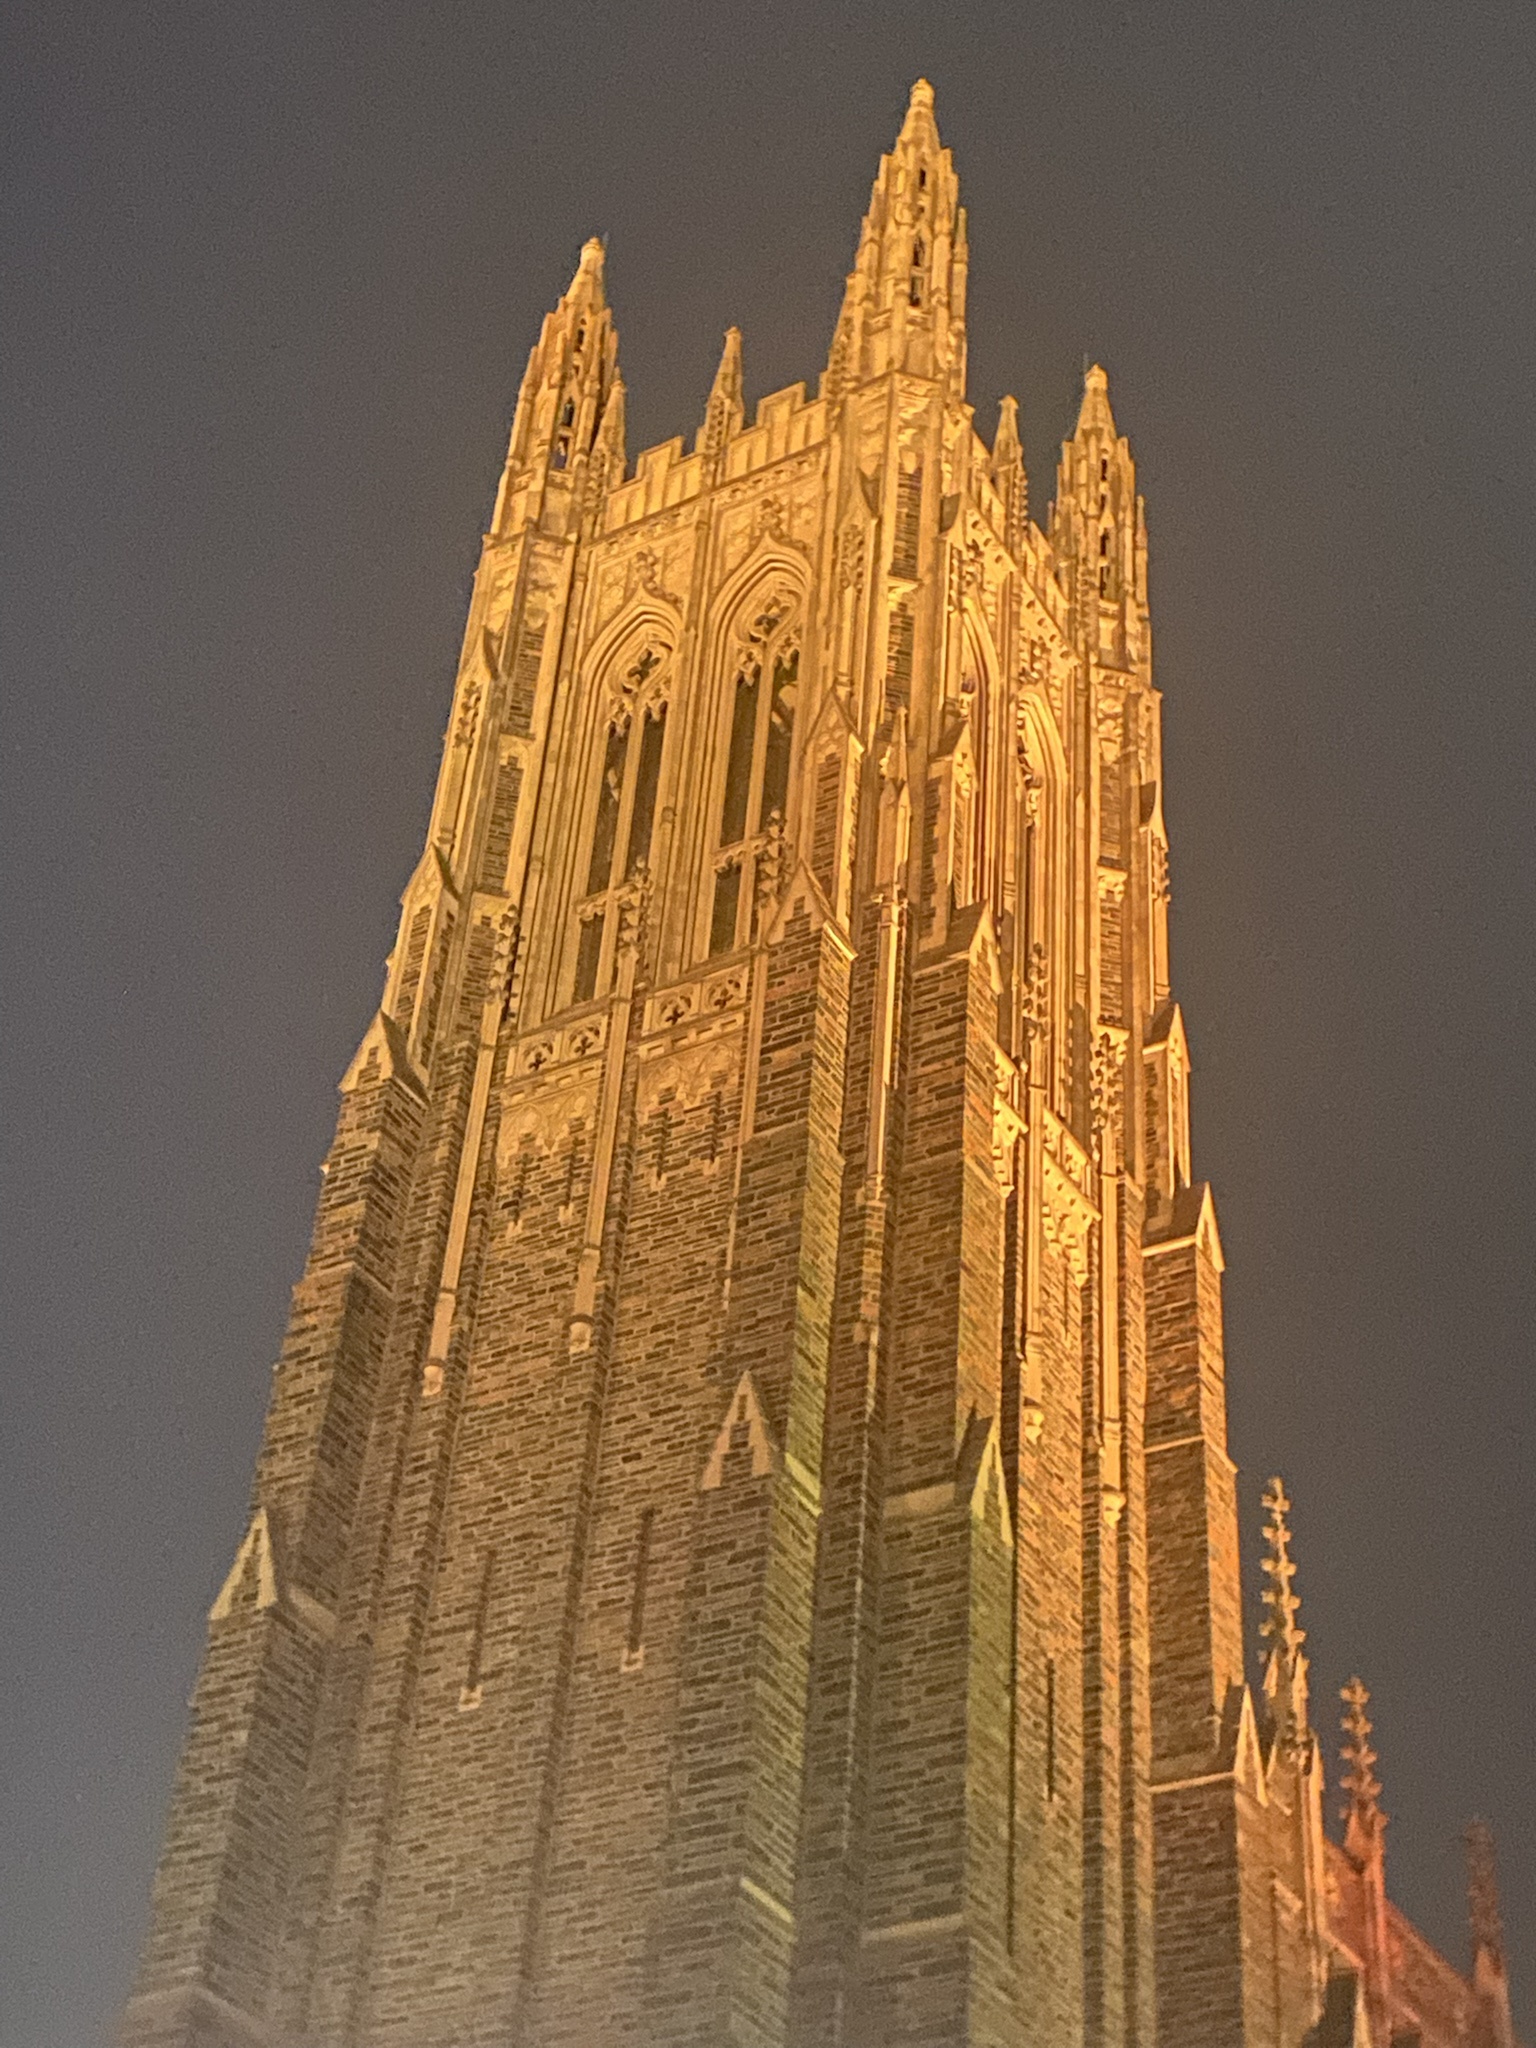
623,819
759,751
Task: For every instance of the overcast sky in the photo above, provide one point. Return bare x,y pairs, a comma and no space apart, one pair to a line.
270,275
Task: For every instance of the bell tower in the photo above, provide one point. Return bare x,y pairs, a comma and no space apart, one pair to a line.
743,1552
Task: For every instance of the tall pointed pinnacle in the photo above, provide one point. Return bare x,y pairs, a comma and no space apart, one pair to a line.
586,287
610,434
1494,2026
564,395
1285,1675
724,412
1364,1820
1008,470
1483,1892
1094,412
904,307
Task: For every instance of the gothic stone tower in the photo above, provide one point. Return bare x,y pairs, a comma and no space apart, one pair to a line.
744,1548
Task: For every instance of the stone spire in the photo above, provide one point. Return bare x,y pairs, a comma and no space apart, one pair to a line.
1365,1830
1008,472
904,307
1285,1675
1098,527
571,372
1363,1818
1093,414
724,412
1494,2026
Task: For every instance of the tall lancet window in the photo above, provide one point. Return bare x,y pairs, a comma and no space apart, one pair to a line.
623,819
765,683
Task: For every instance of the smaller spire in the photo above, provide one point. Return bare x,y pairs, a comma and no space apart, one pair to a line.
919,121
724,412
1483,1893
610,456
1008,470
1094,410
610,432
1285,1678
589,267
1494,2026
1362,1815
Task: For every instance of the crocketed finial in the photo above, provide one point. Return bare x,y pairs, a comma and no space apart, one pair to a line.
1285,1677
1363,1813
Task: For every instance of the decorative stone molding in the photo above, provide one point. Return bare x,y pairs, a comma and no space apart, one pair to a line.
690,1070
708,995
543,1115
1069,1210
559,1047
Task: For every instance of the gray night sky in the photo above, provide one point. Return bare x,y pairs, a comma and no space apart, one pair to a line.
270,276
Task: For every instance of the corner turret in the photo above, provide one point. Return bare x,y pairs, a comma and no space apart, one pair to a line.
571,371
1099,531
904,306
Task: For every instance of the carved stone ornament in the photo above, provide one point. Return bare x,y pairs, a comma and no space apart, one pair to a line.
541,1114
710,995
1160,883
1108,1080
772,862
644,571
548,1051
633,901
1068,1210
468,721
690,1073
850,555
1066,1220
768,522
504,957
1007,1129
643,680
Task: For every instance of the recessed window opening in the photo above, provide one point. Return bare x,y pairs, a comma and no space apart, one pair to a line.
634,1644
759,754
470,1692
623,823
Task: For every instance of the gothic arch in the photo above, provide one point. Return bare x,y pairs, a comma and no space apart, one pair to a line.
649,619
752,738
770,562
621,767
